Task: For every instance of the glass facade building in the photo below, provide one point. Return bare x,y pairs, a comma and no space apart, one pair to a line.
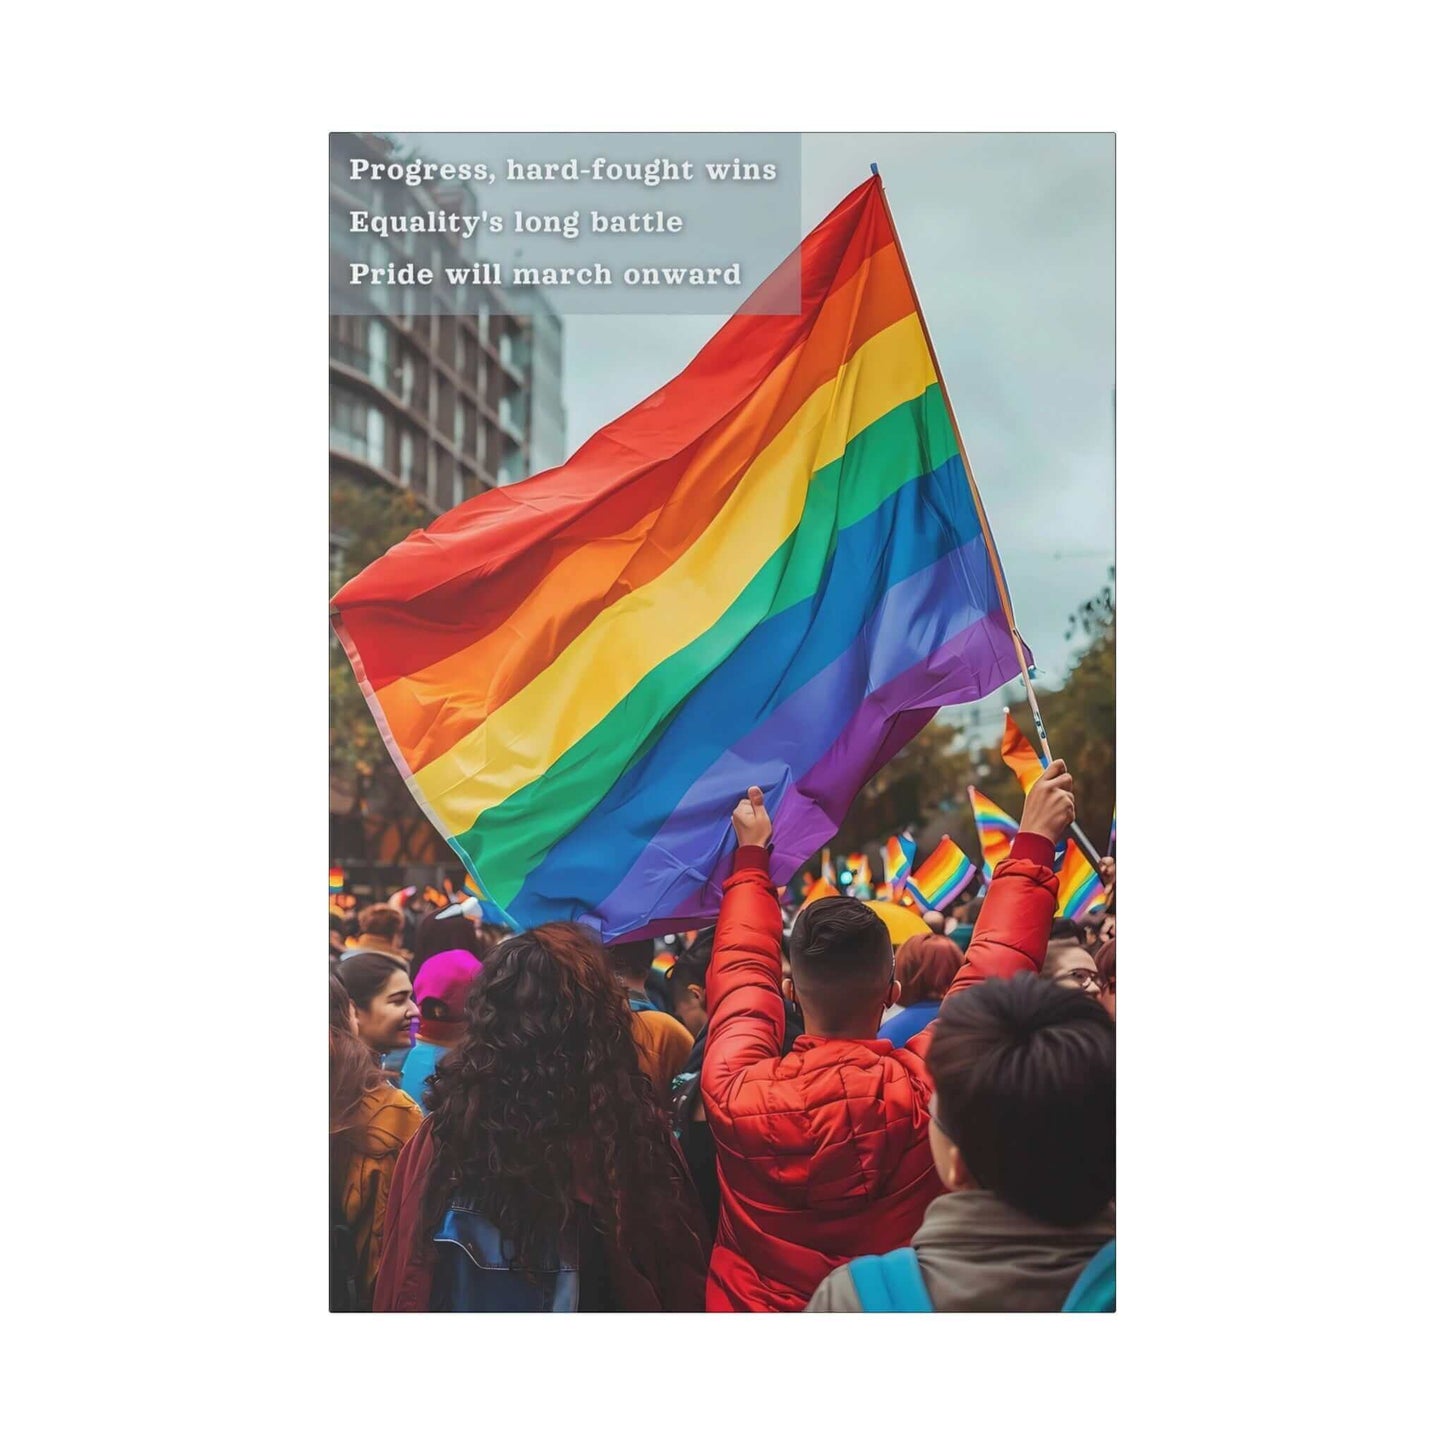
445,406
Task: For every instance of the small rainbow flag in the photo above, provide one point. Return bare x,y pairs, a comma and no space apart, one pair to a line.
772,571
996,830
826,865
936,883
1019,754
337,880
1080,888
898,855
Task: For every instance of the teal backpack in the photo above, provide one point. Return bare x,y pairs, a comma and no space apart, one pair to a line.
893,1284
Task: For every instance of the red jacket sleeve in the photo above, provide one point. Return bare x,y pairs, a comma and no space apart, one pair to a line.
745,976
1012,933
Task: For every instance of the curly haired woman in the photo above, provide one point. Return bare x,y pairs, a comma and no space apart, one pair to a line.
546,1176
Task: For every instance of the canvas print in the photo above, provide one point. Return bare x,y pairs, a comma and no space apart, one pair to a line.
722,877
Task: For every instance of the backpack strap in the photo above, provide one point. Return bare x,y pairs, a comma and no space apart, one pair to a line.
891,1283
1093,1291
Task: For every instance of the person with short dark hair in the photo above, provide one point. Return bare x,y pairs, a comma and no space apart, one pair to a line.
823,1153
663,1044
925,966
1021,1129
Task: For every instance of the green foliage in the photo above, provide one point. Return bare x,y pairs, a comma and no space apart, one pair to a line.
1080,717
366,520
927,778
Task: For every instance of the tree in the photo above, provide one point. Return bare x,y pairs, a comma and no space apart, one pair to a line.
366,520
1080,717
925,780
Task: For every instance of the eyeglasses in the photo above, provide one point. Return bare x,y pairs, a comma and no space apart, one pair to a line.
1083,977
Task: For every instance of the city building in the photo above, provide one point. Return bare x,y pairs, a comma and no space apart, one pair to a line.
444,405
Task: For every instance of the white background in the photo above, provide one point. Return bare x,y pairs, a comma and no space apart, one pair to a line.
1279,390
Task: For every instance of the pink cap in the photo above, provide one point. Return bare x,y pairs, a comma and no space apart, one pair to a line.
447,976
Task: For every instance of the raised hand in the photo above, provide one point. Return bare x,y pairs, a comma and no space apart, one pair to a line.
750,819
1049,807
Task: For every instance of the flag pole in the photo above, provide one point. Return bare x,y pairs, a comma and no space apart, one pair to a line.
1077,833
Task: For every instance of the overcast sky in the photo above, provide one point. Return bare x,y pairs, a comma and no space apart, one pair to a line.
1010,239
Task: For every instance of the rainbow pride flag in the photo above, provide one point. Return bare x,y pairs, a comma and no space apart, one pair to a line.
336,880
1080,887
1019,754
770,571
996,830
943,877
898,855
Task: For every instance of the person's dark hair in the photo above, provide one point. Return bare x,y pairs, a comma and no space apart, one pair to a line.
841,960
688,970
973,909
354,1070
840,940
1066,928
1024,1073
381,921
925,966
364,975
437,935
337,924
631,960
545,1079
489,935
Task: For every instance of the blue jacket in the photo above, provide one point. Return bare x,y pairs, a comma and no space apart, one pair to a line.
421,1064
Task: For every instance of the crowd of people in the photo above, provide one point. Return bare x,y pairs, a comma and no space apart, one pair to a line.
779,1113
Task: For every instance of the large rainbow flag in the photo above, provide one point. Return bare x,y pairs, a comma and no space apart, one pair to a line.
996,830
1080,887
770,571
945,874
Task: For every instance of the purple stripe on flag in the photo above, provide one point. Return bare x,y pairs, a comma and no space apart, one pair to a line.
677,881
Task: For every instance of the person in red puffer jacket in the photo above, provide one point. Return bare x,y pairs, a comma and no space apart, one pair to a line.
823,1155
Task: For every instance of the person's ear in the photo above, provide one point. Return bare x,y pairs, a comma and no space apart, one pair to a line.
895,992
698,996
957,1170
